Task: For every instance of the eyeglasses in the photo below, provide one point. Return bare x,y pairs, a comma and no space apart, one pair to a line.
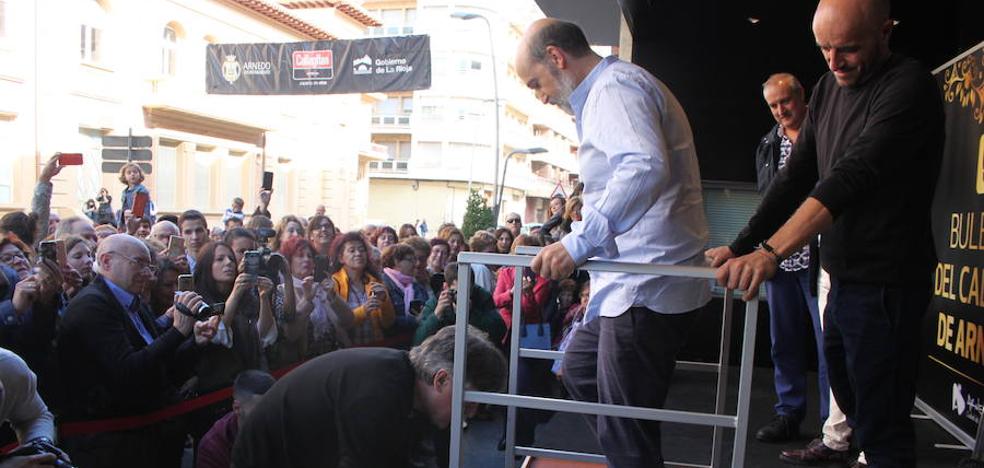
9,258
324,227
514,220
141,264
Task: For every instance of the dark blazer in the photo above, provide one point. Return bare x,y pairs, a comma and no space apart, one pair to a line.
767,158
107,368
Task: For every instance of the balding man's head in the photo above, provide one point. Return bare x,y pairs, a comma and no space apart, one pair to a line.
162,231
125,260
553,58
853,37
784,95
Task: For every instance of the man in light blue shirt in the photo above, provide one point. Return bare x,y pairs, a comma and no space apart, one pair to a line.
642,204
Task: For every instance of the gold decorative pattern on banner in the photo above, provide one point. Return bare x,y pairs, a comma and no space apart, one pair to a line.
965,81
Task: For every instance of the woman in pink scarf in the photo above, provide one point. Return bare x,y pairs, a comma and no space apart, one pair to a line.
408,296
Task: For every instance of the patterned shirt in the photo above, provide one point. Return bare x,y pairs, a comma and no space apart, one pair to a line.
798,260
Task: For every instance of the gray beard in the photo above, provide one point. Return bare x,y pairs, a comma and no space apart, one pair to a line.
566,88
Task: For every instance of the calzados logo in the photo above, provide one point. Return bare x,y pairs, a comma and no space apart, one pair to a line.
312,65
362,66
231,69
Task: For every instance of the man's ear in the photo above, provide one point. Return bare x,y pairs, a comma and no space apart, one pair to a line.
442,378
557,57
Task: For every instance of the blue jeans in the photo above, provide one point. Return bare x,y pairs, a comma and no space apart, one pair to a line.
793,317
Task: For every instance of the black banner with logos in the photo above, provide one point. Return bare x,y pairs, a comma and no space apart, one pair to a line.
952,379
382,64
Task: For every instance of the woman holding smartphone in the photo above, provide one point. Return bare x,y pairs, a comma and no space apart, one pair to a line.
321,316
408,296
362,290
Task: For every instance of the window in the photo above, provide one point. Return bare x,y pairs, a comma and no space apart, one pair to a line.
396,22
395,16
6,168
169,51
89,175
167,176
93,18
201,194
3,19
91,43
394,110
466,65
396,149
232,176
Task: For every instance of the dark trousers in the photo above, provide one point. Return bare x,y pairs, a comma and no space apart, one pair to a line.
871,339
626,360
793,317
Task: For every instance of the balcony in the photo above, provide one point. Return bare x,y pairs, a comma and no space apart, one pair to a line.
387,167
391,123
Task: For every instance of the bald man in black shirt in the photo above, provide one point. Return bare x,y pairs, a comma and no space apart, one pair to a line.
862,174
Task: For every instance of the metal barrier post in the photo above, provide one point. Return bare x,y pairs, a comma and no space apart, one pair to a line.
724,356
517,315
745,382
461,356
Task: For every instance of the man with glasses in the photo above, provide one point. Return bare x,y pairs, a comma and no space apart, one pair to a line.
115,362
514,223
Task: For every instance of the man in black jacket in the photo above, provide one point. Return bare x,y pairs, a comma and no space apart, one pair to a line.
793,312
114,361
863,172
359,407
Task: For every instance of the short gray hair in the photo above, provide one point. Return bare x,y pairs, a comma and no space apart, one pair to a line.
66,227
486,370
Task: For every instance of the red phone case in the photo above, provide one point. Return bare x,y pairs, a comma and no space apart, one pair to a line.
70,159
139,204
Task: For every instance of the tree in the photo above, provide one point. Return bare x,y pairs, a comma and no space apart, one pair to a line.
478,215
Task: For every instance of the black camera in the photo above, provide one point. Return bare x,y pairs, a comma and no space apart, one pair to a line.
38,447
264,262
453,296
203,312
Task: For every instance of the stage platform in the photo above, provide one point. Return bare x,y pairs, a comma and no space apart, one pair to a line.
691,444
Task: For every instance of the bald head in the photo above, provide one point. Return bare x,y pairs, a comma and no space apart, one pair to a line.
853,37
123,259
163,230
864,14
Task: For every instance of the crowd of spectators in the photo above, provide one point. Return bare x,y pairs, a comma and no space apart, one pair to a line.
139,315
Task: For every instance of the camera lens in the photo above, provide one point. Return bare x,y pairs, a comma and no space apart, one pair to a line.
203,310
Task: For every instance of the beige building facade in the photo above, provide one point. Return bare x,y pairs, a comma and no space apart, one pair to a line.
442,141
74,71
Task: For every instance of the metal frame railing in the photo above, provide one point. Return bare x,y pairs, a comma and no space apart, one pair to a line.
719,419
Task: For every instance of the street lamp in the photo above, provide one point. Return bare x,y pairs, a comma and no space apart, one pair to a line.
502,188
495,88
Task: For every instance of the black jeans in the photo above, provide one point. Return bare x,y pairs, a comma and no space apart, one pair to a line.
626,360
872,342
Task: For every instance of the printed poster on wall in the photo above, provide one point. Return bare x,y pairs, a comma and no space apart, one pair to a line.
952,372
381,64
